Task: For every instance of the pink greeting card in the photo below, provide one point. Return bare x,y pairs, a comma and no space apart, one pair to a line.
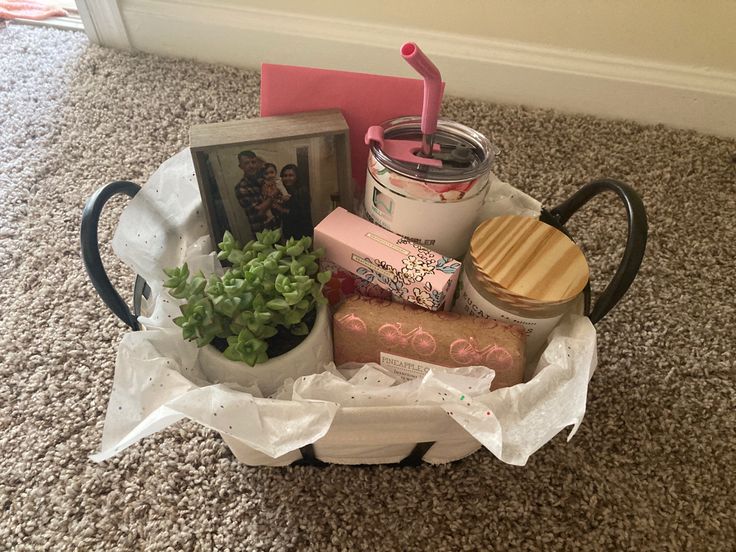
364,100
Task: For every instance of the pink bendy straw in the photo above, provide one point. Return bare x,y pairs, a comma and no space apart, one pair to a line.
432,93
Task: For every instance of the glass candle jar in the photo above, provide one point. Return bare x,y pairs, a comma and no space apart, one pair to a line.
520,270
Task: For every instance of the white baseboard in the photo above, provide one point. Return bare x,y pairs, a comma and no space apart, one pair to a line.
504,72
103,23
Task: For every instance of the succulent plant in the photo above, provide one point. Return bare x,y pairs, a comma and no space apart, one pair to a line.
270,287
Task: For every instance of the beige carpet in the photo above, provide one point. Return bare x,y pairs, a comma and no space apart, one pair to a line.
651,468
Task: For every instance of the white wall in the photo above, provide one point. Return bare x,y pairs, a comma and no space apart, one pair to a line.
688,32
656,61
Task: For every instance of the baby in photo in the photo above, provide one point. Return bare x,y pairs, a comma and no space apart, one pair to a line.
273,188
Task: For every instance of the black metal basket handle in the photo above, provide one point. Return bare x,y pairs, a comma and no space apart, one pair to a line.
91,253
636,240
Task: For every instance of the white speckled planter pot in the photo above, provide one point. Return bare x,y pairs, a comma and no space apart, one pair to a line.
307,358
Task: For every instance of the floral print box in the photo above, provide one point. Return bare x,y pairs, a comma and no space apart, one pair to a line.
406,269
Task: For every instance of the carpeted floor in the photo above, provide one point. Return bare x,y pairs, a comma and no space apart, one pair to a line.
651,468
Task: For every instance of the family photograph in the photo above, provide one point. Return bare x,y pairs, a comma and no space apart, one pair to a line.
274,197
290,185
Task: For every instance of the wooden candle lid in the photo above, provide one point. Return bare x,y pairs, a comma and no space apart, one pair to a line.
528,259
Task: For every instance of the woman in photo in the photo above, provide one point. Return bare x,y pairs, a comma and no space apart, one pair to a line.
297,222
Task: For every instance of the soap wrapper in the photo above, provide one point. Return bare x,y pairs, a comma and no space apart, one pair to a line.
409,340
408,270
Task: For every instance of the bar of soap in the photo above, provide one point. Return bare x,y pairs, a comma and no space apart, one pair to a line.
408,340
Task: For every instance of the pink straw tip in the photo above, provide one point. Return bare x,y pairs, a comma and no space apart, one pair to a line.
408,49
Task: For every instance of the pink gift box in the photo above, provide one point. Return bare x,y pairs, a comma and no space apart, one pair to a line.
408,270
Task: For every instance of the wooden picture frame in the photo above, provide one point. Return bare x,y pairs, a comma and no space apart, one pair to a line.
313,147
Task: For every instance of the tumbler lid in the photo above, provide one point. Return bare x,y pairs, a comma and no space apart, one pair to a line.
526,259
466,153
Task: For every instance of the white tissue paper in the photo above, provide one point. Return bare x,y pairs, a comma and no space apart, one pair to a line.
350,416
504,199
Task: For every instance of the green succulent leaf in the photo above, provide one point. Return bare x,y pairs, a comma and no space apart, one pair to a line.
234,287
227,306
276,255
215,287
280,282
296,268
258,270
237,257
324,277
271,236
206,337
293,317
295,250
293,297
177,281
179,273
255,327
244,336
197,284
228,242
277,304
263,316
246,348
299,329
229,249
189,332
306,260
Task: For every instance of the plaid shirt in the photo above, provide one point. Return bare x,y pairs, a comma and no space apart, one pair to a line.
248,192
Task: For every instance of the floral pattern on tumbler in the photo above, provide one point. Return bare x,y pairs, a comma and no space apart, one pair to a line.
419,189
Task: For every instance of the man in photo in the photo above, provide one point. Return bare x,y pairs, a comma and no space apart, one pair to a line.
249,194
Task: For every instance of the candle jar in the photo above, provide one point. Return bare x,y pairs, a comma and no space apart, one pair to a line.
520,270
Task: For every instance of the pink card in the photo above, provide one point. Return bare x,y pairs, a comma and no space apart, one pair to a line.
364,99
